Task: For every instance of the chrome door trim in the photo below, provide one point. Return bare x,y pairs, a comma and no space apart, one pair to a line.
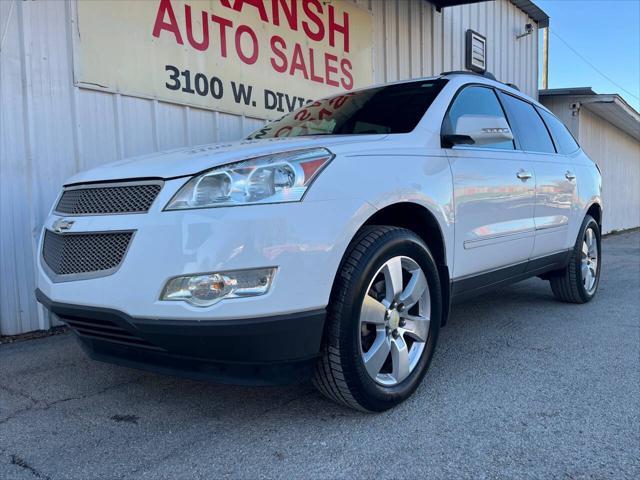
497,238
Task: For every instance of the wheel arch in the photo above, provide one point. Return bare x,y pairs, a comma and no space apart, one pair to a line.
595,210
420,220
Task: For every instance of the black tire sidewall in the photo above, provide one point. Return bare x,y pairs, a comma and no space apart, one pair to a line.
588,222
367,392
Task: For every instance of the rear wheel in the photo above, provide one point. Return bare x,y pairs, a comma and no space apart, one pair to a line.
578,281
383,323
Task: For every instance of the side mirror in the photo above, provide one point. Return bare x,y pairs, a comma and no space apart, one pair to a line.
479,130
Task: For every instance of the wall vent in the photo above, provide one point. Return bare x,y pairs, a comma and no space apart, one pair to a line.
476,52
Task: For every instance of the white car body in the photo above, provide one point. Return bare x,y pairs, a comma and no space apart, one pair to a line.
518,227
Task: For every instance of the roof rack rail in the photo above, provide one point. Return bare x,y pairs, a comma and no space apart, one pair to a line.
488,75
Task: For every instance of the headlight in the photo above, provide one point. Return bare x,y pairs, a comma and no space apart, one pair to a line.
282,177
206,289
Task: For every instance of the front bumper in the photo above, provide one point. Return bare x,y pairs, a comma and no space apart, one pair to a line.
262,351
305,241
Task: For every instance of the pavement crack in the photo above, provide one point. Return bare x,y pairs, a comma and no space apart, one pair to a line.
19,393
41,405
31,406
89,395
22,463
15,414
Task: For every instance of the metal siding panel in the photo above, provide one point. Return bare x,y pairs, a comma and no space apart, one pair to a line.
458,15
427,41
492,36
618,155
447,38
438,41
55,143
403,29
391,40
523,69
379,58
415,40
499,34
229,127
7,10
513,52
171,126
16,313
52,145
482,18
39,168
96,116
137,129
202,125
251,125
507,35
533,76
531,64
517,28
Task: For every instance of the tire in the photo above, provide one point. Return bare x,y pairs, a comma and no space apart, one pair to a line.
341,374
569,284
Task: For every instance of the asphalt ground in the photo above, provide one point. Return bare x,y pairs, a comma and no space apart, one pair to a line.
521,386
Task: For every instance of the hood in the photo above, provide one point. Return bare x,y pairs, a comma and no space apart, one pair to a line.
188,161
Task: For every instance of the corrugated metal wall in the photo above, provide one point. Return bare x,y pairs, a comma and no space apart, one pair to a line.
618,155
412,39
50,129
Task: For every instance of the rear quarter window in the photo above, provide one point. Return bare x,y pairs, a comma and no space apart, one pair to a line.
565,143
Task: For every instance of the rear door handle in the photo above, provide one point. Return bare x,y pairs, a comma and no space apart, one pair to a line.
570,175
523,175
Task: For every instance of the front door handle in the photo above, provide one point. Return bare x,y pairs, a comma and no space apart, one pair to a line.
570,175
523,175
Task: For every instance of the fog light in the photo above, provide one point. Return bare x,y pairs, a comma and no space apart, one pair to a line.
206,289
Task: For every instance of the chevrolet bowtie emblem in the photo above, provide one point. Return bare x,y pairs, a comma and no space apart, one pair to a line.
62,224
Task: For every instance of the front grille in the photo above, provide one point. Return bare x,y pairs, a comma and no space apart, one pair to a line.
108,199
84,253
102,329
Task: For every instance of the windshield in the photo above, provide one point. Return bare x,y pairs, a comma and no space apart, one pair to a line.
381,110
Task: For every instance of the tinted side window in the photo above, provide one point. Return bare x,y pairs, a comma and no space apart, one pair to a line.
564,140
531,131
475,101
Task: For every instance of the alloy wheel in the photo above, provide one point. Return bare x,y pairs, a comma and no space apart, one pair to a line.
394,321
589,261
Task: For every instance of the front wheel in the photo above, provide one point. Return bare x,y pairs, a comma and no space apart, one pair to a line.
578,281
383,320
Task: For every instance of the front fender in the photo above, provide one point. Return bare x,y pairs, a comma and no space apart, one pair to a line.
383,180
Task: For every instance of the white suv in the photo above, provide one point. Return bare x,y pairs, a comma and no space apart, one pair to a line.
330,243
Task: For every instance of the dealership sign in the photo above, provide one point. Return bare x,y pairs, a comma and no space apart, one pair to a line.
259,58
